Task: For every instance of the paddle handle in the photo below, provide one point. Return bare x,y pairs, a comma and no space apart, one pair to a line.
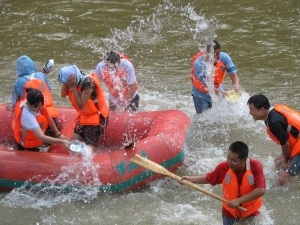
156,168
197,187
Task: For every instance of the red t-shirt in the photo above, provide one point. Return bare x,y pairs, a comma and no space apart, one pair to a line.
217,176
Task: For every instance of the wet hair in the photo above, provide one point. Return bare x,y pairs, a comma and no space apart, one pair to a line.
239,148
112,57
259,101
34,97
216,45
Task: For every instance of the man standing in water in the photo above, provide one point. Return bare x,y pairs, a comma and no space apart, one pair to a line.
200,62
242,180
283,126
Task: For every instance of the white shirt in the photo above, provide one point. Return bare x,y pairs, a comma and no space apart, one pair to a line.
28,119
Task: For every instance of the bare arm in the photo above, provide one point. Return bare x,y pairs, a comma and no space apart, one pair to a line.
49,140
201,179
235,80
80,98
64,91
132,89
53,127
286,151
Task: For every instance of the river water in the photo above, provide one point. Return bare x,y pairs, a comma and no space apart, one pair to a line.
161,37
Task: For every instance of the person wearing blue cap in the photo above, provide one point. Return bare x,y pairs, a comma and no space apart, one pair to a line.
87,97
29,77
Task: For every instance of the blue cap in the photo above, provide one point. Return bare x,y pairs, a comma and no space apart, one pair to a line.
65,73
25,66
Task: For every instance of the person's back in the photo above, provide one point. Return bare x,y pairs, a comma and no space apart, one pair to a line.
25,67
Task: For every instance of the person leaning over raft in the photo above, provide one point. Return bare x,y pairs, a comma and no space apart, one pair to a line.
29,77
118,73
30,122
222,61
242,180
283,126
87,97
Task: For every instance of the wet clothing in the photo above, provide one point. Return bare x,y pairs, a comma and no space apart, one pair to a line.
217,176
283,126
232,189
118,84
131,107
277,124
200,73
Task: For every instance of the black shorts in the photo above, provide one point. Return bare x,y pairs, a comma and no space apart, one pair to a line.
49,131
91,133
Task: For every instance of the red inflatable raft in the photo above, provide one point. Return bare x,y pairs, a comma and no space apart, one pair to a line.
158,135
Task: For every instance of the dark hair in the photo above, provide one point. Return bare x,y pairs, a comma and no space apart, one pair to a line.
216,45
240,148
259,101
34,97
112,57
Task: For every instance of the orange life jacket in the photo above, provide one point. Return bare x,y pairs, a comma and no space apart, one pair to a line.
232,190
120,90
218,76
42,86
219,73
90,113
293,119
27,138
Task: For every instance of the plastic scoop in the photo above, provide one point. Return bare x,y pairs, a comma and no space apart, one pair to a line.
77,146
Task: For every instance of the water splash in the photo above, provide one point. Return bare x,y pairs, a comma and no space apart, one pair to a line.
75,182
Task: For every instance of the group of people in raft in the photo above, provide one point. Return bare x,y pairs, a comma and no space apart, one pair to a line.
242,179
35,120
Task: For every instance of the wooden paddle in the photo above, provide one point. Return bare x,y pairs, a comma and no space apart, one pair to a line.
156,168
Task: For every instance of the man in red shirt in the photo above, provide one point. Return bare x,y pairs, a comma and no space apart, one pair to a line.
242,180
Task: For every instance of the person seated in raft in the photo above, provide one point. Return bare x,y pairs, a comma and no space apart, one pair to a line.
29,77
242,180
118,73
30,121
87,97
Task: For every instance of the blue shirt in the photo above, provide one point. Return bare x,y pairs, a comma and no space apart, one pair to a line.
200,72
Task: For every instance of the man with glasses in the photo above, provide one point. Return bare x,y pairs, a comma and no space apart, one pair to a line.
118,73
242,181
